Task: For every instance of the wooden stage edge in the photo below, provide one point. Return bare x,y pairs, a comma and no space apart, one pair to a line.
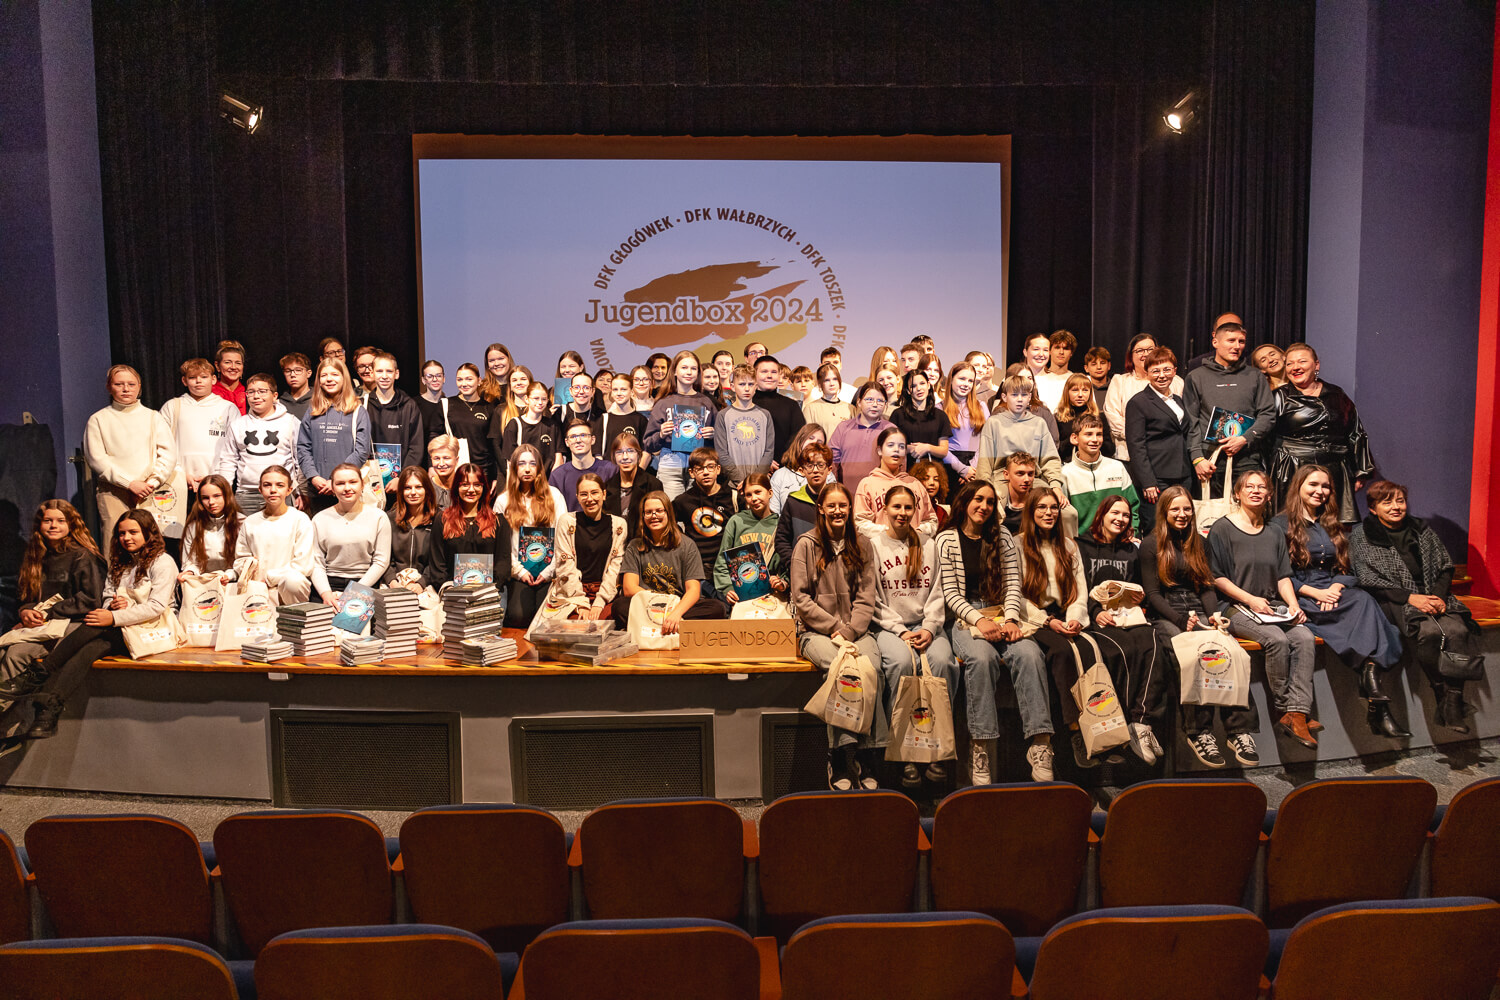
429,662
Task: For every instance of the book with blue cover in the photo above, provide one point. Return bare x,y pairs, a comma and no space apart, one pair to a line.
471,568
562,391
1224,424
388,457
535,546
747,571
356,608
688,422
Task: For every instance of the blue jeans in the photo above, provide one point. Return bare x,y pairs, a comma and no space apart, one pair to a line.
1289,651
821,649
980,660
896,662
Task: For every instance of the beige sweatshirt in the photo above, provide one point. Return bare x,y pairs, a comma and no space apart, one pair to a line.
118,444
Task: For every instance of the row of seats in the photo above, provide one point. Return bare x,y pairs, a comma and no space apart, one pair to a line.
1447,948
1028,855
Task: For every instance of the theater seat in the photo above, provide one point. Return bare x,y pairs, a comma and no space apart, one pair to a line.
1180,841
287,871
114,968
944,954
1204,952
825,854
1339,840
402,962
1466,847
1013,851
114,875
15,907
499,871
664,858
1445,949
681,958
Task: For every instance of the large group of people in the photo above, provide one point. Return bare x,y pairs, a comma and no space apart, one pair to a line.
965,513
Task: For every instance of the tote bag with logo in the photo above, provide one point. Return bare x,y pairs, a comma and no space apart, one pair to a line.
921,717
850,695
248,614
202,603
648,609
161,634
1211,509
1101,721
1213,668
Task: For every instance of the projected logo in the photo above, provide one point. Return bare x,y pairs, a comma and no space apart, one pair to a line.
773,298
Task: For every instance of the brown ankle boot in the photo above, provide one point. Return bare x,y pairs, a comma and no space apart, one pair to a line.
1294,724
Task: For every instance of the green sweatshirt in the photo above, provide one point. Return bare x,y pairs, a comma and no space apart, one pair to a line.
742,528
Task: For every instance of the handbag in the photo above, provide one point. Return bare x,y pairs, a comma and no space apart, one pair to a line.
168,503
764,608
921,716
248,614
160,634
849,696
373,484
1101,720
1213,668
463,443
1455,666
202,602
1122,600
648,609
1032,618
1209,510
46,633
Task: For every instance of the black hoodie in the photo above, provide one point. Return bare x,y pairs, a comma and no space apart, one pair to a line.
398,422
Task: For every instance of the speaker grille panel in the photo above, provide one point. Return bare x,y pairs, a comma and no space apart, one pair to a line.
365,760
582,763
793,754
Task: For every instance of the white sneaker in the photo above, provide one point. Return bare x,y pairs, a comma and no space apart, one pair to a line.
979,763
1143,742
1039,756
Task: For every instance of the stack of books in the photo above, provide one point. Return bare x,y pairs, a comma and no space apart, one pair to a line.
265,650
471,611
359,652
590,643
307,627
488,651
397,620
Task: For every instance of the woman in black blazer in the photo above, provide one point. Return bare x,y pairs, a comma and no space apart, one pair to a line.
625,451
1156,429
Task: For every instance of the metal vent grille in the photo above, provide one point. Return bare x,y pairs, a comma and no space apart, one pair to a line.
365,760
582,763
793,754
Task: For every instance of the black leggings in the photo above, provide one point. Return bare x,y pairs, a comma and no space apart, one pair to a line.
66,667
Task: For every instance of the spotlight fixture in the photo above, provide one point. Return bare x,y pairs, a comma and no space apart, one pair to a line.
239,114
1179,114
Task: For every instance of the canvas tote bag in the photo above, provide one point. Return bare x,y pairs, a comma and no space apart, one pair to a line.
850,695
1101,721
1212,667
1210,509
648,609
161,634
248,614
921,717
202,603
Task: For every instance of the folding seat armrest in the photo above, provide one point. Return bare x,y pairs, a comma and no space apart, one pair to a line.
770,968
1093,839
751,840
398,865
924,846
575,854
1018,989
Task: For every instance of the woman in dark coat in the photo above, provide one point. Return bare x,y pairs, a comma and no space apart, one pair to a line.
1317,424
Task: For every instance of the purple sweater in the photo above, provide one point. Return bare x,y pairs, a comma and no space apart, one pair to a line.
853,447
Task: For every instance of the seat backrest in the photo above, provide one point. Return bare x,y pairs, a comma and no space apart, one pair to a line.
499,871
825,854
677,957
1447,947
1014,851
1339,840
1202,951
945,954
404,962
663,859
91,968
1465,849
15,907
110,876
1180,841
286,871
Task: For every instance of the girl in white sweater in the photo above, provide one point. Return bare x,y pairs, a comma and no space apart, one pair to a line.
211,532
351,539
130,448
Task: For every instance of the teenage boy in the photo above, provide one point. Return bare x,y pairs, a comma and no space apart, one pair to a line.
1229,381
279,538
579,438
799,511
786,413
265,436
198,419
911,357
704,508
581,407
925,344
430,402
395,417
1016,478
1014,427
802,383
296,371
1096,367
1050,382
1091,476
832,356
364,371
229,359
754,351
743,431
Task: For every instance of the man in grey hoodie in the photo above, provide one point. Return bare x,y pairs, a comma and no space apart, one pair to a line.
1231,382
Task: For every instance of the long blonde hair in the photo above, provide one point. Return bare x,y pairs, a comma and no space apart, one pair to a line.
345,402
1065,411
972,409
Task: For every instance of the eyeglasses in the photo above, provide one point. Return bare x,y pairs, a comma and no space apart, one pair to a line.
296,371
260,392
815,466
709,466
626,453
835,508
334,354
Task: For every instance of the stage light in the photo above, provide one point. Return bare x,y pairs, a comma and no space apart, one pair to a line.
239,114
1179,114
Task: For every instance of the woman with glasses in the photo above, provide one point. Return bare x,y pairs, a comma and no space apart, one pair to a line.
624,490
1126,384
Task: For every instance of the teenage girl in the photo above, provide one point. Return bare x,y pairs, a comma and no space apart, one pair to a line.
527,502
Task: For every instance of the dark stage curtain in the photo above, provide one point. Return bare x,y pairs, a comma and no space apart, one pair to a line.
307,227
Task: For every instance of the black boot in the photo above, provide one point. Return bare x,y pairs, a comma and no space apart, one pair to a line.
1369,683
44,723
1450,710
22,684
1383,723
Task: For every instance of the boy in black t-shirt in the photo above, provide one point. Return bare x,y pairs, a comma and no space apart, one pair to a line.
705,508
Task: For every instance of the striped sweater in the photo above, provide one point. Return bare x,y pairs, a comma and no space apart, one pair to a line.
952,575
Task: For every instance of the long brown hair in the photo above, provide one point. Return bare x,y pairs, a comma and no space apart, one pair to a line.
643,540
492,389
792,459
78,537
484,515
909,536
1193,552
535,499
1096,526
120,560
971,407
198,518
1298,513
1033,539
669,385
991,548
1065,411
852,558
405,519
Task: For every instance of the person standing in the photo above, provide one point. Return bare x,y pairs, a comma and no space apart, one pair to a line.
1231,383
1124,386
335,431
744,434
1316,422
853,445
1156,429
128,446
263,437
786,413
198,420
229,360
679,394
395,418
296,372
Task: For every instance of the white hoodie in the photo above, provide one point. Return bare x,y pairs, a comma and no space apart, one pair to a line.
253,443
901,606
198,426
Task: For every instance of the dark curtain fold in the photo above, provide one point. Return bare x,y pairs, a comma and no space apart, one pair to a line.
307,228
